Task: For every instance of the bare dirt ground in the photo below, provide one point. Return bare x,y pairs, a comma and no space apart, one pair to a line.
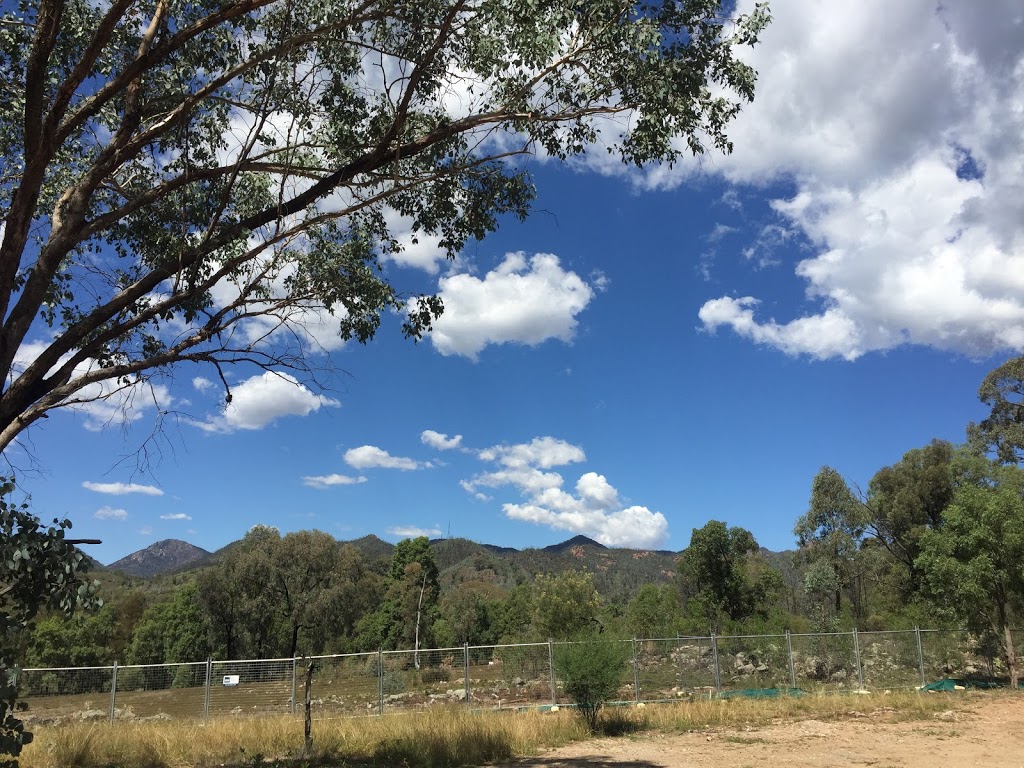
986,733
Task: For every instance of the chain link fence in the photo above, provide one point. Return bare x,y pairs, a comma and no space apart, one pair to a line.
503,676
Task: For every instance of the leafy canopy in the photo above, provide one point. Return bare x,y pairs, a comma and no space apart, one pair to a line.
216,182
39,569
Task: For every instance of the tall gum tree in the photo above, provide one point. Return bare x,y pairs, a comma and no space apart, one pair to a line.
972,563
202,182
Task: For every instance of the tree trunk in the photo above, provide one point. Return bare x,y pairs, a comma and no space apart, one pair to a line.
1011,657
295,639
308,726
419,608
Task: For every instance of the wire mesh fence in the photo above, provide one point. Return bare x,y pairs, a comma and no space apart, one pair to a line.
504,676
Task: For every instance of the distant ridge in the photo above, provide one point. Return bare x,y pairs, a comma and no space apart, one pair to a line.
165,555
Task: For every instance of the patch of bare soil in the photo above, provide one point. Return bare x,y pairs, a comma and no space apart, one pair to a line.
986,733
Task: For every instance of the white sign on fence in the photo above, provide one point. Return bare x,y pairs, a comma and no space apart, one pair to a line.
230,679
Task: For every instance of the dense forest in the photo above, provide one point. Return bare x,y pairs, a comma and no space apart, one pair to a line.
936,539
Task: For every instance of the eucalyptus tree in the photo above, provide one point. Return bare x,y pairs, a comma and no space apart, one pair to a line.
831,531
908,498
971,565
205,182
1002,431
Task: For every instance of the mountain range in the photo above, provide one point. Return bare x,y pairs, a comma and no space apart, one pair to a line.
618,573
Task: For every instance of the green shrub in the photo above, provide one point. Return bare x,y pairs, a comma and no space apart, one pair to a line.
393,682
591,671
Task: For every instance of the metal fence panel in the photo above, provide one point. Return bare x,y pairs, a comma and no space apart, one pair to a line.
890,660
825,661
522,674
425,678
695,659
753,661
345,685
957,654
658,673
82,693
162,691
252,687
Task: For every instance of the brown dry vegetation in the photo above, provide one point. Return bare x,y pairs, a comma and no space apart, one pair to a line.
447,737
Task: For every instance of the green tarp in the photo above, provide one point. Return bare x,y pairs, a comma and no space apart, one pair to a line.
951,684
759,693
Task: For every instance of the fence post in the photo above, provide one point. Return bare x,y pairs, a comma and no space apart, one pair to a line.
636,675
206,694
920,656
293,684
718,671
856,654
551,666
792,666
113,691
380,681
465,659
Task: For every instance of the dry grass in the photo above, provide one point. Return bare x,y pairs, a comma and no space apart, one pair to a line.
450,737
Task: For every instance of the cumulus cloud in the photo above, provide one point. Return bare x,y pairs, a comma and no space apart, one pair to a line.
543,452
322,482
264,398
202,384
907,172
372,457
176,516
110,513
120,489
522,301
439,440
412,531
594,510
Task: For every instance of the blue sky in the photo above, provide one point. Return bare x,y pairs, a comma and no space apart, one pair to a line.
650,350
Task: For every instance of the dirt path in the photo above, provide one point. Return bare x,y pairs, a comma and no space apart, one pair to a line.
989,733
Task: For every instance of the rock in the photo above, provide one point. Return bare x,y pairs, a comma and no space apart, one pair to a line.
839,676
948,715
518,682
92,714
457,695
746,669
762,667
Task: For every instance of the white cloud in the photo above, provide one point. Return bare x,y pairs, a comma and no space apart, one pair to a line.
202,384
522,301
120,489
595,510
145,530
412,532
439,440
635,527
109,513
176,516
372,457
322,482
469,488
541,451
907,174
264,398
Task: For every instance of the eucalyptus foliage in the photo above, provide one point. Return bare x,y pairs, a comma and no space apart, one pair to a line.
39,569
972,564
198,181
